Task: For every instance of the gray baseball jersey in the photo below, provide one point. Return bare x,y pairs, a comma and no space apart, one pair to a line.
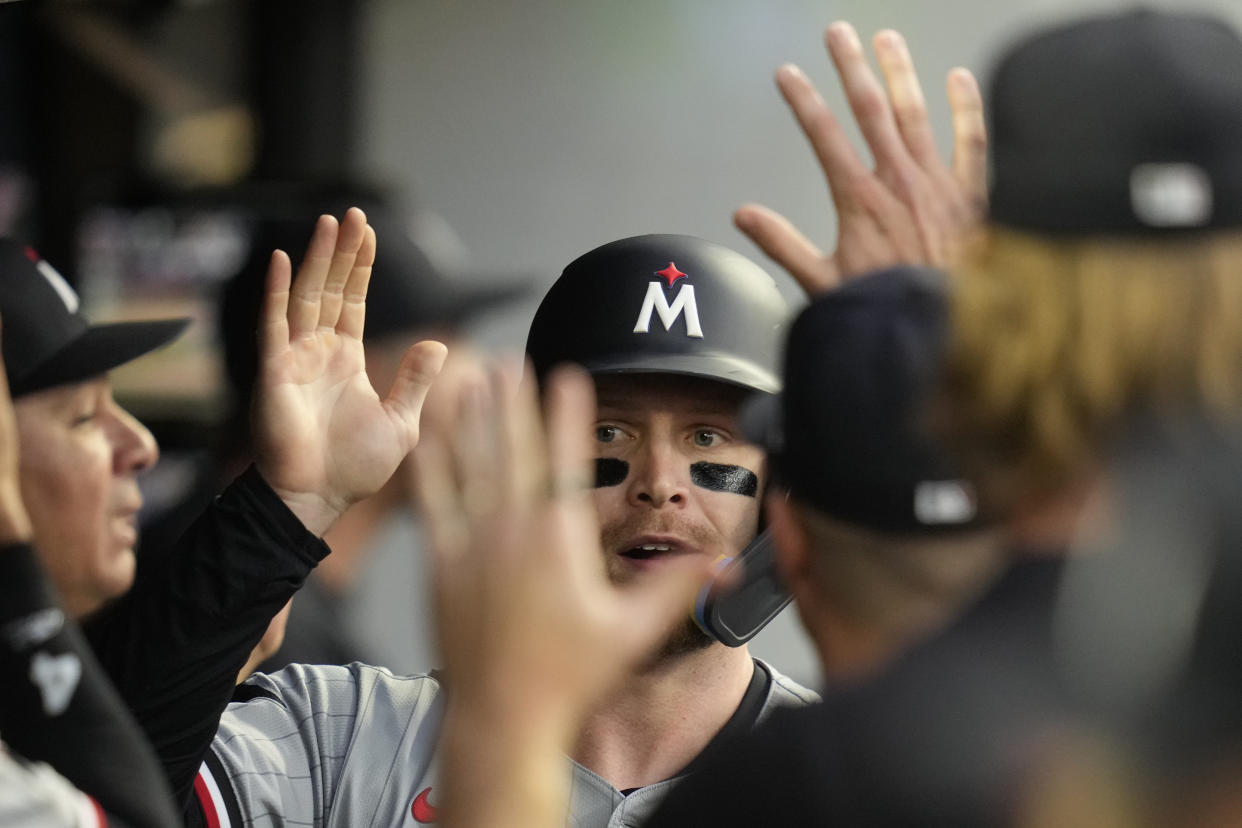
356,745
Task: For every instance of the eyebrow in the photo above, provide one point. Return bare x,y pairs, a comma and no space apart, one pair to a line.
709,412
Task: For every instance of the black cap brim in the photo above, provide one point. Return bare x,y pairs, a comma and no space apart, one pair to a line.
100,349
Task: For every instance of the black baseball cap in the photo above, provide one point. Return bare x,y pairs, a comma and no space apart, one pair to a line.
1123,123
847,434
47,341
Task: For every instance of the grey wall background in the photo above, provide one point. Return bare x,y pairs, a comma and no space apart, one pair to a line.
541,129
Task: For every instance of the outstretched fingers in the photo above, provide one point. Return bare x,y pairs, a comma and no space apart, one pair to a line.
419,366
570,412
522,459
353,299
866,97
785,244
823,131
437,476
274,318
345,255
970,137
909,107
306,294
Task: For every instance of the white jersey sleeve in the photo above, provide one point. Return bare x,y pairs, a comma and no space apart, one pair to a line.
291,754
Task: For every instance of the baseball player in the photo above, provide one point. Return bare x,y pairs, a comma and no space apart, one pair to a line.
675,332
174,643
307,744
95,767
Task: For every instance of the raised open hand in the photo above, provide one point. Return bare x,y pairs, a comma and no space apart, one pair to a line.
324,438
911,208
532,631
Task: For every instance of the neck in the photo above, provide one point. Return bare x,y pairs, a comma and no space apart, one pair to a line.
1051,524
664,716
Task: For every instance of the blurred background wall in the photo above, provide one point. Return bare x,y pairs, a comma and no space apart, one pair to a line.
140,139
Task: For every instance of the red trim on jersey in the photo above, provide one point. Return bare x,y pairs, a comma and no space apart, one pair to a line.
205,801
101,819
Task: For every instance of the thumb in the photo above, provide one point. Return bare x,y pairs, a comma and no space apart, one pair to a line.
785,244
655,606
420,365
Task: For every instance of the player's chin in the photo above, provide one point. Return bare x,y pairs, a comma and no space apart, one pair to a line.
116,574
686,637
626,568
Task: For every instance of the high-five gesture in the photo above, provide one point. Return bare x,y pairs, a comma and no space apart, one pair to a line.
532,631
324,437
911,208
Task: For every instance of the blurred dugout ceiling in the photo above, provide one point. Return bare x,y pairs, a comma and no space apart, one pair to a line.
142,130
178,94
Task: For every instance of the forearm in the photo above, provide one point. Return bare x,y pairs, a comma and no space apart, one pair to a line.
175,643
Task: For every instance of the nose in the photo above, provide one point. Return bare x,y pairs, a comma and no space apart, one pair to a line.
661,476
133,447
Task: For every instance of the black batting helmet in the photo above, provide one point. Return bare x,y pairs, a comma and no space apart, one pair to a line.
663,304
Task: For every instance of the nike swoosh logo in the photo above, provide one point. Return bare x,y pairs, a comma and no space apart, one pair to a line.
422,810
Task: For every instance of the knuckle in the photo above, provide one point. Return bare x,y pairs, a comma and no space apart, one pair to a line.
869,103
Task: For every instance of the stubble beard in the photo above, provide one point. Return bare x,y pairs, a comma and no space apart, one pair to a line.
687,637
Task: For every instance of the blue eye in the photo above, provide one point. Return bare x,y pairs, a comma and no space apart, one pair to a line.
606,433
706,438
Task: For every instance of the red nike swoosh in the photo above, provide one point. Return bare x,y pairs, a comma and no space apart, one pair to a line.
422,810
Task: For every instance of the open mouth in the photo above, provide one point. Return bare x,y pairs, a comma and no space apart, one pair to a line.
647,551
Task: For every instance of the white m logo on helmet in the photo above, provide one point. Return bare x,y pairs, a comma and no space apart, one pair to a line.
683,303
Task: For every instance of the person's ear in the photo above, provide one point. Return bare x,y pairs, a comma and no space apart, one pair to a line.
792,544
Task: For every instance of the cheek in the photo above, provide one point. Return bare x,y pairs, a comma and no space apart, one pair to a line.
735,518
611,504
68,489
67,495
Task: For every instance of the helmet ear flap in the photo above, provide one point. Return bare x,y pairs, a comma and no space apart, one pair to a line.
664,304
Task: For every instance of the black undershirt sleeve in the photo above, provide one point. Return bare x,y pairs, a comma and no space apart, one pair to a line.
174,644
56,705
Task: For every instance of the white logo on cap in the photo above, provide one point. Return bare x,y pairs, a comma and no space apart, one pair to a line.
59,284
943,501
1171,195
683,302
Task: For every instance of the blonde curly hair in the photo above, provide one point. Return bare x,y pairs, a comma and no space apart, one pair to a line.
1056,340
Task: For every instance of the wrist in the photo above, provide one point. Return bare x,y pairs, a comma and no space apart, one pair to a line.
315,512
501,766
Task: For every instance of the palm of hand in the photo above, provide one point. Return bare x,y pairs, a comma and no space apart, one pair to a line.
323,427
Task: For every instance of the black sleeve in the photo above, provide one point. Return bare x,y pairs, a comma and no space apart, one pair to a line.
174,644
56,705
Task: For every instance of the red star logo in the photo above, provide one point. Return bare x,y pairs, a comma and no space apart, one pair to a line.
671,273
